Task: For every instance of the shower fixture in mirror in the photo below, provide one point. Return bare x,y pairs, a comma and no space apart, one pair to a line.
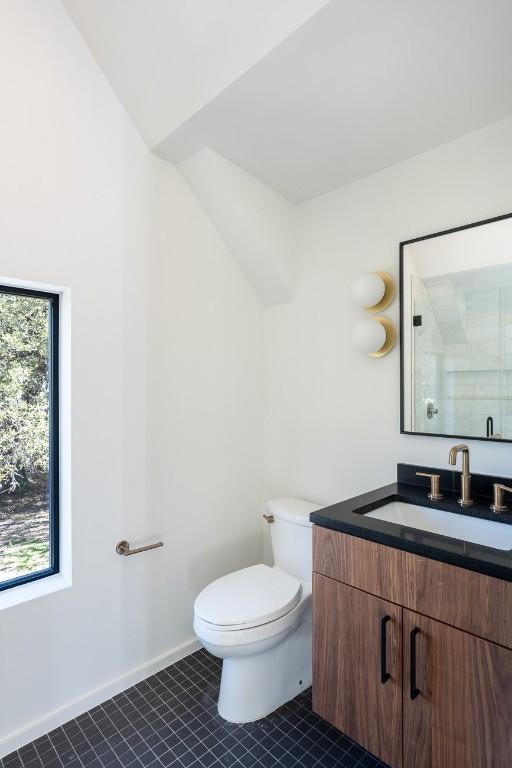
456,332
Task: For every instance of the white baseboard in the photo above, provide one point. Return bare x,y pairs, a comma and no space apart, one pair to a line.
77,707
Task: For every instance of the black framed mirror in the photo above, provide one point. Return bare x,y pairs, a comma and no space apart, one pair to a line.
456,332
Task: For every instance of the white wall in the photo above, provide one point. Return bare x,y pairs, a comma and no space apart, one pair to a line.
205,455
332,414
255,222
166,378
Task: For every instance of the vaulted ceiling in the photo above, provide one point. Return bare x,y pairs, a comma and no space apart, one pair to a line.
303,94
166,59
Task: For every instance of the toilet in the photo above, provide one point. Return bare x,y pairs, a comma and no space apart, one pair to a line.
258,620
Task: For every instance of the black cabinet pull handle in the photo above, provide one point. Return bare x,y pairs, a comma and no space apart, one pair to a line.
415,691
384,675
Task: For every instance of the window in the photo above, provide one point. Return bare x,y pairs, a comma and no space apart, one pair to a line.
29,435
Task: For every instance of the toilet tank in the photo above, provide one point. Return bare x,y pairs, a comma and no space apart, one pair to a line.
291,534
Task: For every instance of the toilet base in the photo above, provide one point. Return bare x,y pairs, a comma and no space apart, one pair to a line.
254,686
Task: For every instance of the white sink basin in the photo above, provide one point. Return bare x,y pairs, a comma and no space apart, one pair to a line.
485,532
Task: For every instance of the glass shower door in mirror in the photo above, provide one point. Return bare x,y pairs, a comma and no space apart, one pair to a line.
457,332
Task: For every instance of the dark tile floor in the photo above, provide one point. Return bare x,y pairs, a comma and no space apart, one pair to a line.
171,719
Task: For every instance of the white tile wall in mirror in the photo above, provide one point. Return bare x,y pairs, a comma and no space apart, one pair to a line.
457,332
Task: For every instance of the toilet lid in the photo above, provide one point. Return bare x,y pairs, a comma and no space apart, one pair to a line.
248,598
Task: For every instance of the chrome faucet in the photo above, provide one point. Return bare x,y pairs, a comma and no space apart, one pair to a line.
465,478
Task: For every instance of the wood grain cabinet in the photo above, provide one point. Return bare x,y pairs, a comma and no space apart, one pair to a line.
457,698
414,691
357,666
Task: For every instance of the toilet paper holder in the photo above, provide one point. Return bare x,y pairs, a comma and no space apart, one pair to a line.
123,548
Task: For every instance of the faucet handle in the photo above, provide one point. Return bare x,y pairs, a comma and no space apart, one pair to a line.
498,491
435,491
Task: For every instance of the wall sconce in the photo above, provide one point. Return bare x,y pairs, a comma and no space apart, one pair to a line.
375,336
374,291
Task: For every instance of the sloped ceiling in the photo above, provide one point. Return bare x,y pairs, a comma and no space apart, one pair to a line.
304,95
364,84
256,223
168,58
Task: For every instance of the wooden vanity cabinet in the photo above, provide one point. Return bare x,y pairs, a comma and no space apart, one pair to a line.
457,698
357,679
413,690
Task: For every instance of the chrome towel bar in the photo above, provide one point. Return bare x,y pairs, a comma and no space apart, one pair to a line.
123,548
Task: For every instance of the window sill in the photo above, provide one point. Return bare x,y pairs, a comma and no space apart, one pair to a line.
25,592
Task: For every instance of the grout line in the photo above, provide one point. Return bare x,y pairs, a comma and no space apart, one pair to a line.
185,694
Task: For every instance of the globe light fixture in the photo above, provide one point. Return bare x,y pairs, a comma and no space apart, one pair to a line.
375,337
373,290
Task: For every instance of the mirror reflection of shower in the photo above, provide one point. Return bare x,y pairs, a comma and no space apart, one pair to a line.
457,298
462,336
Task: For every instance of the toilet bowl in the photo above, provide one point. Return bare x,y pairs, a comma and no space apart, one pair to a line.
258,620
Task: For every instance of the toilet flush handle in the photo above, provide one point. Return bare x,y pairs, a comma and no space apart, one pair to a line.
269,518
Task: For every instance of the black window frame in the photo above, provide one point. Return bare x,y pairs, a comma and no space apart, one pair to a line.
53,434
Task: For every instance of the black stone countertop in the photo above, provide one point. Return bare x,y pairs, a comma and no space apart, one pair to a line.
349,517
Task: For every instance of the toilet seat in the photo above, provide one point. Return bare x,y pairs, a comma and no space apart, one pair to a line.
242,638
247,598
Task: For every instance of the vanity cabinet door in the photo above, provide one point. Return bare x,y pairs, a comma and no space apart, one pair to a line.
357,666
457,698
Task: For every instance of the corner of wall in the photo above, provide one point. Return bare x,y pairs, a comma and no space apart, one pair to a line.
255,222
